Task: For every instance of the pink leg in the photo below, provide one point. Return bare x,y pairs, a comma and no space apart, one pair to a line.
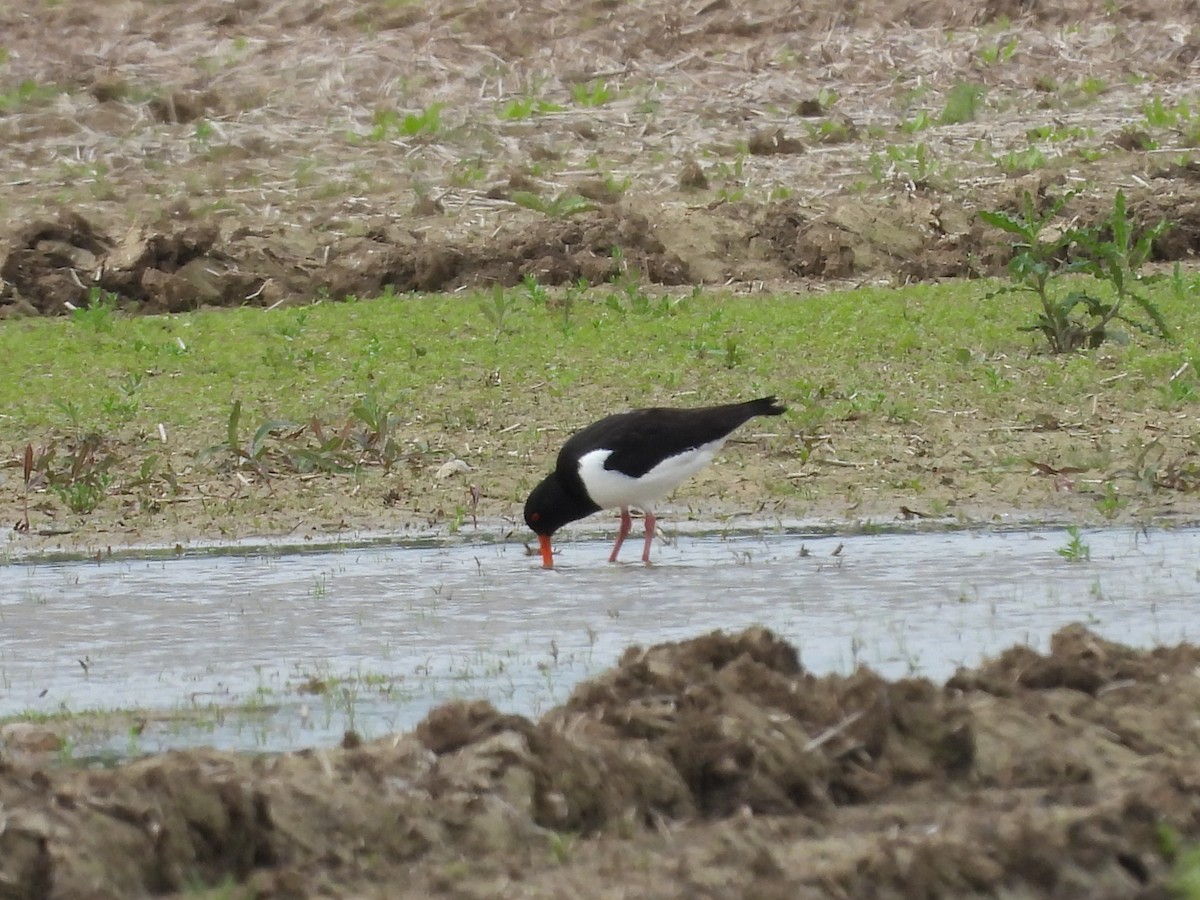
650,522
626,524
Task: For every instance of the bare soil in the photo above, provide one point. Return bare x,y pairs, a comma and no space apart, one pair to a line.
271,153
160,155
712,768
256,152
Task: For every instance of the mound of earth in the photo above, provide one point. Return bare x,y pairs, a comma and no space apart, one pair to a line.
53,266
713,767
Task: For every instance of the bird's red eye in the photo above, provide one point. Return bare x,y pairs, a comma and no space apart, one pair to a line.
534,517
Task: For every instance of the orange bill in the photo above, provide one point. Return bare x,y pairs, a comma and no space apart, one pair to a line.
547,553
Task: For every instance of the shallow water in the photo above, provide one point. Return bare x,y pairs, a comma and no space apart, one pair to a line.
220,645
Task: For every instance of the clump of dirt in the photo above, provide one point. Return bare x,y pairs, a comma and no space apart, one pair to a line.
920,236
740,721
717,760
55,265
44,264
598,246
1078,660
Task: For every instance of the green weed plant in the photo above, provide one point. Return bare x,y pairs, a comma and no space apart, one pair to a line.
1076,313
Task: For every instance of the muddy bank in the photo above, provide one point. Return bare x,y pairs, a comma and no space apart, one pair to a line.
713,767
53,266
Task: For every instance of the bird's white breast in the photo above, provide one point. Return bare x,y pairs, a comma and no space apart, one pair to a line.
610,488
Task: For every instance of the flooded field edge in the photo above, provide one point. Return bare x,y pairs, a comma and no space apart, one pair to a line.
491,532
718,759
265,650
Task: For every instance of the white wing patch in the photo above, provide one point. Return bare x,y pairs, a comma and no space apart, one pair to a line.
610,488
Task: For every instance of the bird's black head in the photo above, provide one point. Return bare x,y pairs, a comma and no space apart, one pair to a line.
551,506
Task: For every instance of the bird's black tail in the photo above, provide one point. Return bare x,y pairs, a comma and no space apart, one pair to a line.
766,406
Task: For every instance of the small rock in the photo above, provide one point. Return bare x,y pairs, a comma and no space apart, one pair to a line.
773,142
691,176
451,468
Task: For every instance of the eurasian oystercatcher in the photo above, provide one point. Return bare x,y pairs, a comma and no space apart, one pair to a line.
632,459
